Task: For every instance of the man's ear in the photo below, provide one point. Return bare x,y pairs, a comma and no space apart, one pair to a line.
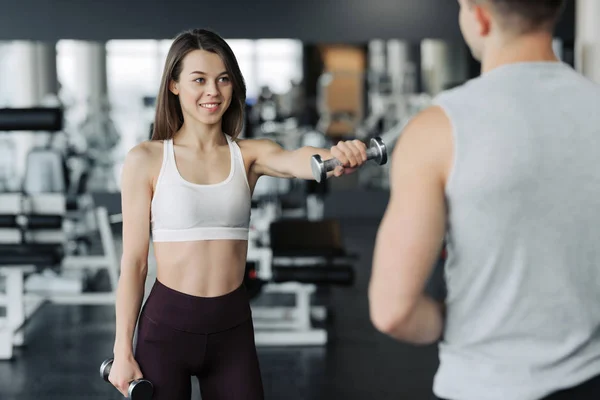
174,87
483,16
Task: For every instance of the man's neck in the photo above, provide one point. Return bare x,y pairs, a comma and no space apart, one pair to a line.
536,47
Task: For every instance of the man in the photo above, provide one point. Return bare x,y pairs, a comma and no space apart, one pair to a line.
505,169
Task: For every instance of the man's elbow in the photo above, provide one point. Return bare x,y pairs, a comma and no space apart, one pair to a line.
391,321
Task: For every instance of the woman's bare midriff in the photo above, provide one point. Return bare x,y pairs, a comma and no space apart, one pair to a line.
201,268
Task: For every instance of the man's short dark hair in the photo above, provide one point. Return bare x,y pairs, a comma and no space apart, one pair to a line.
525,16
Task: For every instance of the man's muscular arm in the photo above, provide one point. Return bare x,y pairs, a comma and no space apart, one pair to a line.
411,233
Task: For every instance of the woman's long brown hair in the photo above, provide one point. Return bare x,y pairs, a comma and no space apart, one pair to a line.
169,117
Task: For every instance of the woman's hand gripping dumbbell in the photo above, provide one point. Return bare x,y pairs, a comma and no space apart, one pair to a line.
376,152
139,389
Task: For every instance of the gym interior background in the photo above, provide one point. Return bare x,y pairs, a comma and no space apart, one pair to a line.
78,81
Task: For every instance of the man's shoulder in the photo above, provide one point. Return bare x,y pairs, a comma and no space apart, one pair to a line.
461,91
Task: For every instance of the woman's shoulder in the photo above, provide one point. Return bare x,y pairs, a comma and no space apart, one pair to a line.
256,144
145,154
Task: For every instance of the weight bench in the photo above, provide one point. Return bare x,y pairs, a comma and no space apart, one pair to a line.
31,238
302,255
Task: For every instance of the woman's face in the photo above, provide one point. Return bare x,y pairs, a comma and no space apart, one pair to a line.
204,87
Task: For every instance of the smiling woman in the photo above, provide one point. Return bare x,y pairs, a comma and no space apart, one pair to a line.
190,189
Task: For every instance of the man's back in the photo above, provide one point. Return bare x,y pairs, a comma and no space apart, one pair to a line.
523,269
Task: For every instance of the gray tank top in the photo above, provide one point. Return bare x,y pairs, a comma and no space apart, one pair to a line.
523,268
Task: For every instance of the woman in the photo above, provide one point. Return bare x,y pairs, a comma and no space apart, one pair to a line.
191,186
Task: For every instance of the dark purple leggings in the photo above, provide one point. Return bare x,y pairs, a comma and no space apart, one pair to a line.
212,338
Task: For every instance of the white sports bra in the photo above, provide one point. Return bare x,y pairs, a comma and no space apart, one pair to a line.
184,211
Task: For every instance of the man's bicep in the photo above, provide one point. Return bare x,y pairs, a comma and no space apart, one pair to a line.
412,230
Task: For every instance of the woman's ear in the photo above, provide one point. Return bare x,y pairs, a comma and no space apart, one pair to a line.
174,87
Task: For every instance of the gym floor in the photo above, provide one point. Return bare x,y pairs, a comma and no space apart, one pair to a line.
66,344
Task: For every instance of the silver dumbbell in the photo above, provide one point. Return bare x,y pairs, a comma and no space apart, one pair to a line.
376,152
140,389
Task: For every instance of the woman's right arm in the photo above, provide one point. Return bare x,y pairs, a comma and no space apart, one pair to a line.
136,196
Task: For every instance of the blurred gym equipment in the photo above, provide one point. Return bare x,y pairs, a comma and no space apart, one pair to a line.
31,119
40,258
293,256
31,238
101,137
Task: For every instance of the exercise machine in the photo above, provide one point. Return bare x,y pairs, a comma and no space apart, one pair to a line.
34,241
31,239
293,256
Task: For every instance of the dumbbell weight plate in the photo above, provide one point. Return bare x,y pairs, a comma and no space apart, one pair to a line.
377,143
141,390
318,168
105,369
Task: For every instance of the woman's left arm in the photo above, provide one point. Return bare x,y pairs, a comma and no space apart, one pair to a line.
273,160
